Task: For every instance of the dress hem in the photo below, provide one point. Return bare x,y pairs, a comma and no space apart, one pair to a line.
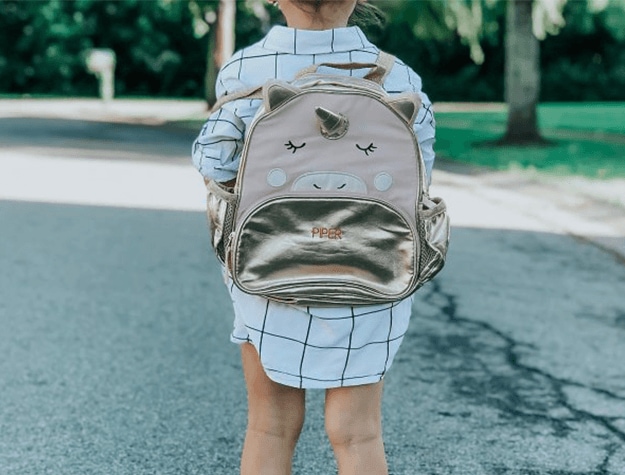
302,382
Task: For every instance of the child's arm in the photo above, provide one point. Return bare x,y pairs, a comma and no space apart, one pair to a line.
425,126
217,149
402,79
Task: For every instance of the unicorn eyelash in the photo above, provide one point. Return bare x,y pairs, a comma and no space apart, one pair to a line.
369,149
292,147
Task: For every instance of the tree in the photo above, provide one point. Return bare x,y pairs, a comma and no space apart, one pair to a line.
217,21
527,22
204,14
522,75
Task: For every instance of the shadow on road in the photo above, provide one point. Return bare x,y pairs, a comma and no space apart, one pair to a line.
96,139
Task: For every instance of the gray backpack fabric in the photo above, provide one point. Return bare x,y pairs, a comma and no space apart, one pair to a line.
330,206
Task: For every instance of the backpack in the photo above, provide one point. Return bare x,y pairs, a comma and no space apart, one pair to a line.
330,205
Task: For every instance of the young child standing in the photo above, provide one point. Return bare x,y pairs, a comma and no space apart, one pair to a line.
287,349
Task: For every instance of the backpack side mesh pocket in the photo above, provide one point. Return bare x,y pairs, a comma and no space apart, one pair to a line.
434,229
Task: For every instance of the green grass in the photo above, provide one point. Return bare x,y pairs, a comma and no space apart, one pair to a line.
586,139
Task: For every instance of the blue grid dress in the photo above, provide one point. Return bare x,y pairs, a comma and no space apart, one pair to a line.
307,347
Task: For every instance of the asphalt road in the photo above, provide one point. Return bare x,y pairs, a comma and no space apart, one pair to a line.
114,324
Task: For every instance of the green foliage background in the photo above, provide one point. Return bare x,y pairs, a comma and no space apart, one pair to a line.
43,43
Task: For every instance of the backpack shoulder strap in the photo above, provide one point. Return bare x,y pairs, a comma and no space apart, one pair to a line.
250,93
386,61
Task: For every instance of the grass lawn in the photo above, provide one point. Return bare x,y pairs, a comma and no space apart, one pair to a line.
586,139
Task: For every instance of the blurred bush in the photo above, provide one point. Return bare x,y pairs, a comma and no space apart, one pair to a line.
586,61
43,46
43,43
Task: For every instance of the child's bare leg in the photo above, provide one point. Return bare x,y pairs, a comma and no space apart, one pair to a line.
353,418
275,420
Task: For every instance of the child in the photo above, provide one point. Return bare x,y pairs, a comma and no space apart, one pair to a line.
287,349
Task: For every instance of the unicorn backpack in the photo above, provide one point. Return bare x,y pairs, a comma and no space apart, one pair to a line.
330,205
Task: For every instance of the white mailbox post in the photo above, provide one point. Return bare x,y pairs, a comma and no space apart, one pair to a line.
101,62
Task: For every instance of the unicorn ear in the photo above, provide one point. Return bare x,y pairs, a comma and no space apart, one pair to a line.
277,94
407,105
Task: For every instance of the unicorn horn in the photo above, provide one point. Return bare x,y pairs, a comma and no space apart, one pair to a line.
333,125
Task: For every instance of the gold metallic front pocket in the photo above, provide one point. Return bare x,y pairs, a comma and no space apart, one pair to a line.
326,251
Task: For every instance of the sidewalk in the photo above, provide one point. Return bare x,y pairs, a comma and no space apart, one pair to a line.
593,210
142,111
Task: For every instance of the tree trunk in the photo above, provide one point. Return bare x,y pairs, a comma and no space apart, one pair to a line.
210,75
220,46
522,75
226,15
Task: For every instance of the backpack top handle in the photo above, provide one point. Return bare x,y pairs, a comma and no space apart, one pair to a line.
379,70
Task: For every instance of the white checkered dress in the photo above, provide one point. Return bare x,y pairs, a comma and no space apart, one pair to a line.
307,347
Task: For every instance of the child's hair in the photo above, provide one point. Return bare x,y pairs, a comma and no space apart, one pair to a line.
364,14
